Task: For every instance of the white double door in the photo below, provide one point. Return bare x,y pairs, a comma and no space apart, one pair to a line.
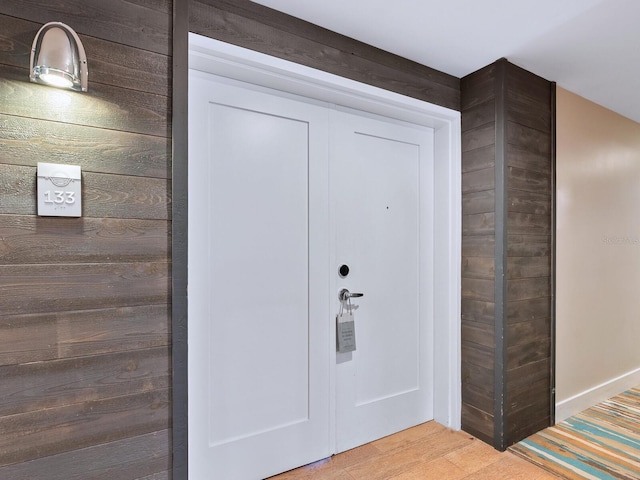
283,191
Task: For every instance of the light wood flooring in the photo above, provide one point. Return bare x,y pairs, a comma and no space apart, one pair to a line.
426,452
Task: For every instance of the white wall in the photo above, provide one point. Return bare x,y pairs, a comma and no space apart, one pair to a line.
598,254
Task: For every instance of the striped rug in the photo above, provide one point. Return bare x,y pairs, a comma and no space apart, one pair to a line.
603,442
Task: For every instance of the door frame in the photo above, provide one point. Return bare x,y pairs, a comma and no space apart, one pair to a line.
219,58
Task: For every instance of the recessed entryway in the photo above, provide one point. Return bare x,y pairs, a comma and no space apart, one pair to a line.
284,189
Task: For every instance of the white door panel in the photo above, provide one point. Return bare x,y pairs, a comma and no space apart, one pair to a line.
382,193
258,274
257,283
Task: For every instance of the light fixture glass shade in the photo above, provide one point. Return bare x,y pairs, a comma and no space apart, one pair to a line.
58,58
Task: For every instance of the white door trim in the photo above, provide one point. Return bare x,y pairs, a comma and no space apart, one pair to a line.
219,58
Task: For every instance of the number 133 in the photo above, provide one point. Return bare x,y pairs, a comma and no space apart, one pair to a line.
59,197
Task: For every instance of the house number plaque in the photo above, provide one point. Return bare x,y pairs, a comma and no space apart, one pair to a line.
59,190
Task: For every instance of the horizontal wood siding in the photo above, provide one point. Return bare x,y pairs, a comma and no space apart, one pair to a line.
528,320
478,253
85,321
259,28
506,227
143,457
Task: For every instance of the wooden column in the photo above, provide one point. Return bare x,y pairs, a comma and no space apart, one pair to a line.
507,170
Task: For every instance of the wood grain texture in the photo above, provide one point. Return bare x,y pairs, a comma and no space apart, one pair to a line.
104,106
529,202
526,84
529,245
521,377
479,158
528,407
478,137
477,87
84,324
519,157
16,38
130,22
26,141
528,267
479,196
477,423
53,431
528,181
527,288
478,289
103,196
478,181
127,67
529,112
253,27
478,267
479,115
528,309
140,457
534,350
70,287
506,122
478,396
281,21
529,139
41,385
54,336
529,397
414,455
528,224
478,332
479,202
126,197
478,311
478,224
528,422
477,354
479,375
529,418
28,239
478,246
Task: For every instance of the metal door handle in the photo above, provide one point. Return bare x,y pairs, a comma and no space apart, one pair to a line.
345,295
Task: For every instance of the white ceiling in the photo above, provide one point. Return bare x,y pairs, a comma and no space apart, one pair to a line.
590,47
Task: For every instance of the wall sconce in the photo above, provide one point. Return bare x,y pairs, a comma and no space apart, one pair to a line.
58,58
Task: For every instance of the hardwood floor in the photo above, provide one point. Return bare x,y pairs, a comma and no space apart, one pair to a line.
426,452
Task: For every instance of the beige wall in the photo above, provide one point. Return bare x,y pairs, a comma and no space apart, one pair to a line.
598,246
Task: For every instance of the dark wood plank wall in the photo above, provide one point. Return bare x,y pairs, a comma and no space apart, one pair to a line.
253,26
85,304
528,149
478,104
506,252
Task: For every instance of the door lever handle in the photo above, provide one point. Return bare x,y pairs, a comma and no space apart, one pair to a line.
345,295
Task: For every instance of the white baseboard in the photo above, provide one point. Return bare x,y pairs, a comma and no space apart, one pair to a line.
595,395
